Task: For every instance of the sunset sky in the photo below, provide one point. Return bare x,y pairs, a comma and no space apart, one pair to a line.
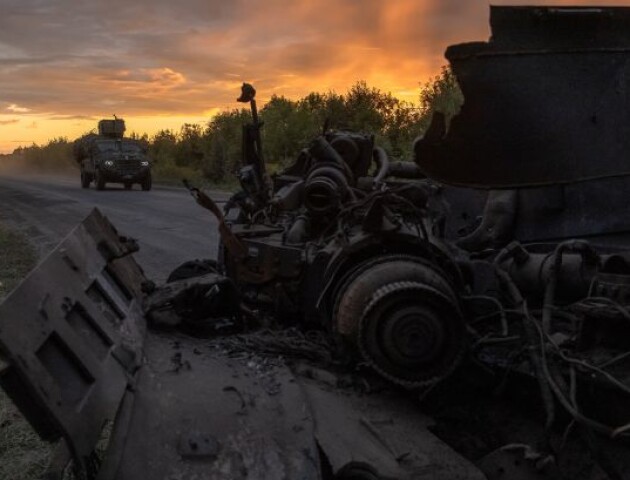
161,63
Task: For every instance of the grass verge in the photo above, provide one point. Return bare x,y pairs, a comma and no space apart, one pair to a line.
172,175
23,456
17,258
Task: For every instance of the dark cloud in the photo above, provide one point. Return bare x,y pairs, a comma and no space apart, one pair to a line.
71,59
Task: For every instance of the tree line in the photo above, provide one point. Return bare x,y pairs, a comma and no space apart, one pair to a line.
213,151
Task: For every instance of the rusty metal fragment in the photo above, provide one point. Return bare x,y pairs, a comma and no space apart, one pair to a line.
234,245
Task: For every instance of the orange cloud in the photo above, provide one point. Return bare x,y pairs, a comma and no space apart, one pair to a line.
74,61
17,109
146,77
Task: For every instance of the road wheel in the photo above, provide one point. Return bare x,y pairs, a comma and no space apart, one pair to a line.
85,180
403,316
99,178
128,185
147,183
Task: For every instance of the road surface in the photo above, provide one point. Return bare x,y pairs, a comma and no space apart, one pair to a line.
170,227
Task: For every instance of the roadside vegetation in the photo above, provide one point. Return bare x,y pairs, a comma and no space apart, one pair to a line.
23,456
17,258
211,153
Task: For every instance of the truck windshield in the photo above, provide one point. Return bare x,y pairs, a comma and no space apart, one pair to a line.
106,146
115,145
129,147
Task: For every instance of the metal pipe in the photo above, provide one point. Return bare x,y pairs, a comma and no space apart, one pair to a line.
404,170
382,162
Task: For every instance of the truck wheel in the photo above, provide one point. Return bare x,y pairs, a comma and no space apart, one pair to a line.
146,183
99,178
128,185
85,180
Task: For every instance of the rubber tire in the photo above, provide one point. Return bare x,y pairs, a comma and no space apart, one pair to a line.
147,183
85,180
128,185
99,179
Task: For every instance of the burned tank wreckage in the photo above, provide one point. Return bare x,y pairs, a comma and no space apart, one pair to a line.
326,236
490,278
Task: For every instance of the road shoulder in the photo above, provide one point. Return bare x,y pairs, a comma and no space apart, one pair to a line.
17,258
23,456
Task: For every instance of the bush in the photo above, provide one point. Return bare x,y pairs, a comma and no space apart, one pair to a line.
55,156
166,171
213,152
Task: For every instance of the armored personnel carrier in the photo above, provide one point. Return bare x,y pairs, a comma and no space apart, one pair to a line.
465,316
109,157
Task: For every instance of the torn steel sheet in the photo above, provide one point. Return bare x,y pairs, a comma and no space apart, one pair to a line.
380,437
71,336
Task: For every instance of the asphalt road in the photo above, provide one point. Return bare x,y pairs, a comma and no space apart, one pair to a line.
170,227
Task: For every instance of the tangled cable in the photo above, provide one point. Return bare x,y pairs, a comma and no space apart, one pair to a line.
542,346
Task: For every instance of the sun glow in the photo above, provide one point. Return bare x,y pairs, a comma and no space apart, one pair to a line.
185,61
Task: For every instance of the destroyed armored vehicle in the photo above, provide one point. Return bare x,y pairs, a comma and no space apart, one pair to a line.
465,316
109,157
332,234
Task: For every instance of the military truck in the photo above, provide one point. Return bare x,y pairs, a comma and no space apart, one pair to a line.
109,157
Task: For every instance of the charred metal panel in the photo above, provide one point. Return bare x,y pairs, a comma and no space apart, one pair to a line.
546,101
594,209
200,412
71,335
